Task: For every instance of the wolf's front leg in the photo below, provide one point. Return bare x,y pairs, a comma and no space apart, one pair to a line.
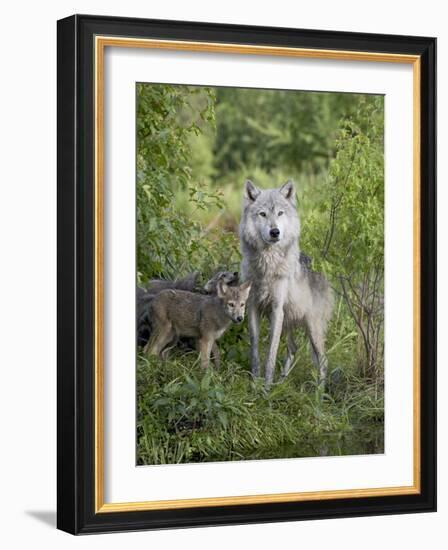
254,332
276,331
216,355
205,345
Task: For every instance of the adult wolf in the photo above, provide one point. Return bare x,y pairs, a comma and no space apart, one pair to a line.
282,287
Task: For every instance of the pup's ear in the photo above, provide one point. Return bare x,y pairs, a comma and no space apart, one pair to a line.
288,190
194,277
252,191
212,283
245,288
208,286
221,289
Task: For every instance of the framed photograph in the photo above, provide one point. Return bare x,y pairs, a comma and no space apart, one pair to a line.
246,274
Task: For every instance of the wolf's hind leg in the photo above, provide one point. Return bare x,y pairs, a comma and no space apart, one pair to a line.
292,350
168,347
317,341
159,339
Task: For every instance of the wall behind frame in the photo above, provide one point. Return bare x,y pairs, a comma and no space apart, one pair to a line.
28,274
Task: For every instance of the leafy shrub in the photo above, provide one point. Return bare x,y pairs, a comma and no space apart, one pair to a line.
348,227
169,243
186,415
195,147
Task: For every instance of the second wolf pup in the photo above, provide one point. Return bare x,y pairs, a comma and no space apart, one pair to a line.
177,313
231,278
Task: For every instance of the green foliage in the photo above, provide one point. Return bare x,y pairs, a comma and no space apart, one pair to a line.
350,213
167,118
350,216
271,128
195,148
185,415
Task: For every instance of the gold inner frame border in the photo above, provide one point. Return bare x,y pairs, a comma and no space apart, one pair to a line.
101,42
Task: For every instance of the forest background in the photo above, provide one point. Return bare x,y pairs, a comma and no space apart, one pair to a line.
196,146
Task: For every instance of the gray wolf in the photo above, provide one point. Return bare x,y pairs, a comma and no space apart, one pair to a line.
190,283
229,277
145,295
283,287
179,313
187,283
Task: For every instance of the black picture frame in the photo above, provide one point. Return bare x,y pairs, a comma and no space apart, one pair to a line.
76,255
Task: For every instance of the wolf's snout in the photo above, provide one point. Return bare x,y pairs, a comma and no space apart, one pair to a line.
239,319
274,233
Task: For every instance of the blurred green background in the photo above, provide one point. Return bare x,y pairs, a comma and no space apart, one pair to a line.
196,147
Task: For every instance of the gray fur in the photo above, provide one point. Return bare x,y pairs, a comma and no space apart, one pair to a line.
178,313
228,277
187,283
146,295
283,287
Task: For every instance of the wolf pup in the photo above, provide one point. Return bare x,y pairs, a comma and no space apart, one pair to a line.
145,295
228,277
178,313
187,283
282,287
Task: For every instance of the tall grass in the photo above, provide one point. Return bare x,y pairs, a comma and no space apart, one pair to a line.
191,168
188,415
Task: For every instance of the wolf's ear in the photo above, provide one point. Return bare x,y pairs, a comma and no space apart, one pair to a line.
208,285
245,288
193,277
288,190
252,191
221,289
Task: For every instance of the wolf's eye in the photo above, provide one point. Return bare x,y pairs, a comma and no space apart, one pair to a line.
242,304
281,213
231,304
263,214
